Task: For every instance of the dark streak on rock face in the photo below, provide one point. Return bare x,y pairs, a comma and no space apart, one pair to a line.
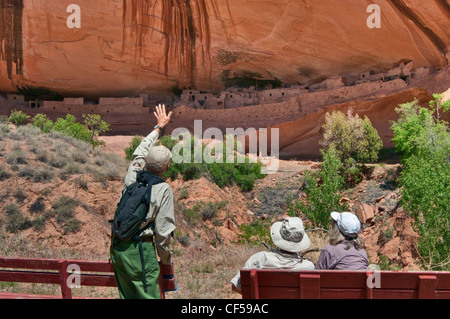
11,35
181,22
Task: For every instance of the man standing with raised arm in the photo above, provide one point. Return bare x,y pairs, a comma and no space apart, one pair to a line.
156,230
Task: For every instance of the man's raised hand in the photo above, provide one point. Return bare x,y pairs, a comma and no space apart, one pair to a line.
161,116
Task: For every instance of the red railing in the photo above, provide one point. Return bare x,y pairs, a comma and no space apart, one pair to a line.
60,272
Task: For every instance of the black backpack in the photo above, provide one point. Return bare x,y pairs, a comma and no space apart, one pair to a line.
132,211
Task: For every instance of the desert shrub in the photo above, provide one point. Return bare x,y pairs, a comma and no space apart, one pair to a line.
184,194
322,198
56,162
4,120
18,117
26,172
43,175
4,174
193,214
424,142
64,209
355,141
81,183
42,156
210,210
79,157
38,223
183,239
27,132
20,195
256,231
73,225
16,220
4,130
42,122
38,206
244,173
71,168
16,157
99,177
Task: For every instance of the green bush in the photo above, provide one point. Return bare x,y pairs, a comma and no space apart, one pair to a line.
18,117
242,172
322,198
355,141
223,174
424,142
425,194
133,145
418,132
42,122
351,137
69,126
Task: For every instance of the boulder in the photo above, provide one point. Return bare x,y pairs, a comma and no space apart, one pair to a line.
365,213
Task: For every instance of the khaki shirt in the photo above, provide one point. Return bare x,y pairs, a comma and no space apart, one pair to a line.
161,210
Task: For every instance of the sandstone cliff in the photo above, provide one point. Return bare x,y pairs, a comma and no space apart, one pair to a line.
129,46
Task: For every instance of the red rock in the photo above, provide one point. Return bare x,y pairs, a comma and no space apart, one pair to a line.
365,213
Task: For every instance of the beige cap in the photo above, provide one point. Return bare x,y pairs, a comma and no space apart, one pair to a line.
158,158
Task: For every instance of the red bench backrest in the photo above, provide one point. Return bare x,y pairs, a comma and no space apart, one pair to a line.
334,284
92,273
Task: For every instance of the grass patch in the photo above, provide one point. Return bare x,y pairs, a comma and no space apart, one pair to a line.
255,232
64,209
4,174
16,220
38,206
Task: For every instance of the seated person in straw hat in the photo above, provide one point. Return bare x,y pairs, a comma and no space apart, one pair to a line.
290,238
346,248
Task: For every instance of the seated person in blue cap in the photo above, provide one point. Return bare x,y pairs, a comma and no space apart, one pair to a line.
346,248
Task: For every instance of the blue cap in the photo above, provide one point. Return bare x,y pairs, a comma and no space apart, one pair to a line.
347,223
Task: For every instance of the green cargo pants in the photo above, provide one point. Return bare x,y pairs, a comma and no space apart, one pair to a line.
127,267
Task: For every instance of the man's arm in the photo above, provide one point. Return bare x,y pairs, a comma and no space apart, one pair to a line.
164,226
138,158
148,142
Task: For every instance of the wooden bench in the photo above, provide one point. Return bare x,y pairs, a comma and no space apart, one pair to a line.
59,271
336,284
